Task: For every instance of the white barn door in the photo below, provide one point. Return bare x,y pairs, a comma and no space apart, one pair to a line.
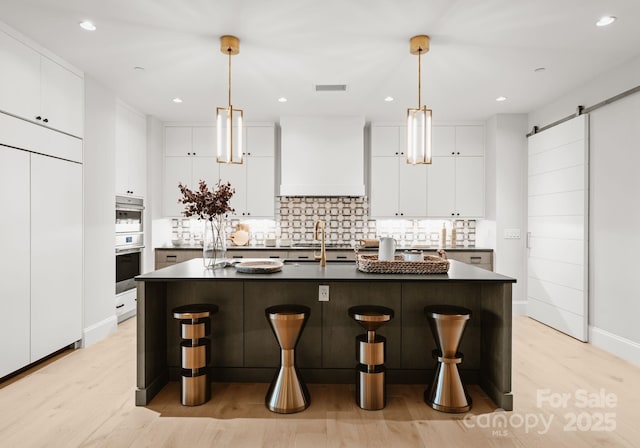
557,241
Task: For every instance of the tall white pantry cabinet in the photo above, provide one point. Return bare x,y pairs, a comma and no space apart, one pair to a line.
40,203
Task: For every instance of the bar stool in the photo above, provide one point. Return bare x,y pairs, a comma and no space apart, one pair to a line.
195,322
370,353
287,393
447,393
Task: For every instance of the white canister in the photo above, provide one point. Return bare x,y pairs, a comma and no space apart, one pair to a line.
387,249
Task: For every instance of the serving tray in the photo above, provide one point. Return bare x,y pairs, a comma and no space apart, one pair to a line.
428,265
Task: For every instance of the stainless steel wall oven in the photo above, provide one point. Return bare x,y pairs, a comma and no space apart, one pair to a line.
129,241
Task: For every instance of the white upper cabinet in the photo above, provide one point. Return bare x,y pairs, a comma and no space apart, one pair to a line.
62,98
178,141
181,141
38,89
203,141
254,180
260,141
397,188
386,141
456,185
188,171
469,141
190,157
19,78
131,150
452,186
443,140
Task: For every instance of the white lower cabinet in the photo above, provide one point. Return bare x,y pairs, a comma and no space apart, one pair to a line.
41,287
56,254
15,283
126,304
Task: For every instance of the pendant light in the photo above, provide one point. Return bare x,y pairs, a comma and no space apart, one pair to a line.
229,120
419,120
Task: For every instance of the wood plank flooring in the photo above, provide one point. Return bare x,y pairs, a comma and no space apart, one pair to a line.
85,398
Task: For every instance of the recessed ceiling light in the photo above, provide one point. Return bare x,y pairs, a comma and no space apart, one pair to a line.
539,69
389,99
606,20
87,25
501,98
177,100
282,99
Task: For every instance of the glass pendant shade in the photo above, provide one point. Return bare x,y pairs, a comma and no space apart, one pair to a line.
419,135
229,131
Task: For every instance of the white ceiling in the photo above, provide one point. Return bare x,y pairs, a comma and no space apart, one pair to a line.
480,49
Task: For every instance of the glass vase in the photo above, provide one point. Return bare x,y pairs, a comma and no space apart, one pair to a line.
214,247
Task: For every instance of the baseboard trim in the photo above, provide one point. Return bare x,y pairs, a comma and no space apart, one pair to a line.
519,308
99,331
619,346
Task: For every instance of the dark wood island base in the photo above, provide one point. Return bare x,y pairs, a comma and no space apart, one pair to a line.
244,348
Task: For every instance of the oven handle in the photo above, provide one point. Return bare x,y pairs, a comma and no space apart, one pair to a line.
129,208
129,250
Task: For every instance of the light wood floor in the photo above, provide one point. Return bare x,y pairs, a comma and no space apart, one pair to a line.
86,398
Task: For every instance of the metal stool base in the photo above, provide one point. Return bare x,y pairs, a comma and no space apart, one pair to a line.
371,388
287,393
195,390
447,393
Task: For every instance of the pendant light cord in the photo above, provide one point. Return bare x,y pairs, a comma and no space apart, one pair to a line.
229,52
419,78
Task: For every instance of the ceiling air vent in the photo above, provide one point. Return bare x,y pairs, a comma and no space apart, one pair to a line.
331,87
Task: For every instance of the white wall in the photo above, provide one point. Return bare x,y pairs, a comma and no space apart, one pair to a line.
506,180
614,218
99,192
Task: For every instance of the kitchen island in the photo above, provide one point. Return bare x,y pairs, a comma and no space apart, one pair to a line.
244,349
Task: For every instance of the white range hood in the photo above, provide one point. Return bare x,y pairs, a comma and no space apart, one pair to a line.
322,156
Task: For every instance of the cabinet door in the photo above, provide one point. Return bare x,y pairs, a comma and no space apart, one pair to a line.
443,140
412,194
176,170
470,140
204,141
131,149
260,187
260,141
236,175
470,186
385,141
14,265
19,78
138,150
384,186
62,98
441,184
178,141
206,169
56,254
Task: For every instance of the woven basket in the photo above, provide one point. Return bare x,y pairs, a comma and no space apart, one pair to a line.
429,265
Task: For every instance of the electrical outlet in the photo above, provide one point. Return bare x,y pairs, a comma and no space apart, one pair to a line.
511,234
323,293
